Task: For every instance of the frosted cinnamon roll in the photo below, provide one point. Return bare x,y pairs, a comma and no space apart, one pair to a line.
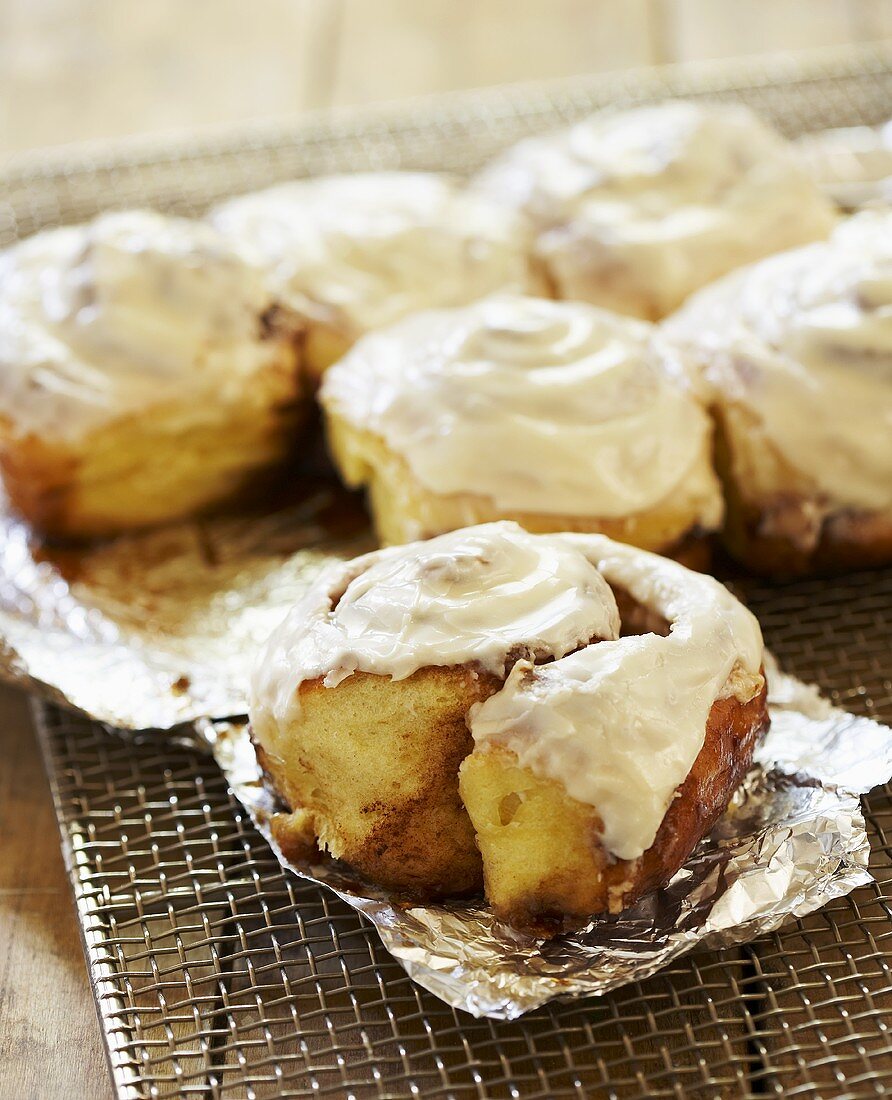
558,719
636,209
853,164
147,373
557,415
355,253
796,354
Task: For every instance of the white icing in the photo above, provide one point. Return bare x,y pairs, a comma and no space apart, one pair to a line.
543,406
619,722
129,311
804,341
361,251
852,164
477,595
659,199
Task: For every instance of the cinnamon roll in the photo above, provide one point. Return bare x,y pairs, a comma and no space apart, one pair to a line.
474,711
636,209
355,253
147,372
796,356
557,415
852,164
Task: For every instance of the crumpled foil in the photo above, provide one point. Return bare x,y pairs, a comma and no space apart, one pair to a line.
158,629
792,840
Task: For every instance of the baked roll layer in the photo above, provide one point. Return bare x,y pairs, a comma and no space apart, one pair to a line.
594,748
636,209
546,868
554,414
371,768
795,355
146,373
356,253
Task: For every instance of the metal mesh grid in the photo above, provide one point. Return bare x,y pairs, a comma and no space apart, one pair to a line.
454,133
216,975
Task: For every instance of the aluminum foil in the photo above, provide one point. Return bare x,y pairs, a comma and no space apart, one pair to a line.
154,630
792,840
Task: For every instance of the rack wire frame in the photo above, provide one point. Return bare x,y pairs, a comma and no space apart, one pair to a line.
218,975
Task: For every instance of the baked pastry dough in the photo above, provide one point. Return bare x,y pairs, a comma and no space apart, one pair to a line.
146,373
591,760
796,355
557,415
356,253
636,209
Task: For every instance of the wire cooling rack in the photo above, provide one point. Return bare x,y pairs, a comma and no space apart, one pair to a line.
217,975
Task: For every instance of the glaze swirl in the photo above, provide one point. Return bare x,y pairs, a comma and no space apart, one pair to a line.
475,596
618,721
555,407
358,252
619,724
636,209
803,342
129,311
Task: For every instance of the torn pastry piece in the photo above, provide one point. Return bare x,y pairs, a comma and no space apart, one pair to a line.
636,209
591,762
795,353
356,253
557,415
359,700
147,373
593,777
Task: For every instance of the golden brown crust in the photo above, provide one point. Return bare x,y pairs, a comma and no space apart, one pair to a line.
404,510
371,767
790,533
847,540
148,468
545,866
370,772
732,733
693,550
325,345
384,776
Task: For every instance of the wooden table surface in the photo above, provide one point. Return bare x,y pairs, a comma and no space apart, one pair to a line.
165,65
72,70
50,1046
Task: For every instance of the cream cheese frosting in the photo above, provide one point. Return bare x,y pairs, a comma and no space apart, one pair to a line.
554,407
852,164
477,595
358,252
803,341
619,724
132,310
659,200
618,721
